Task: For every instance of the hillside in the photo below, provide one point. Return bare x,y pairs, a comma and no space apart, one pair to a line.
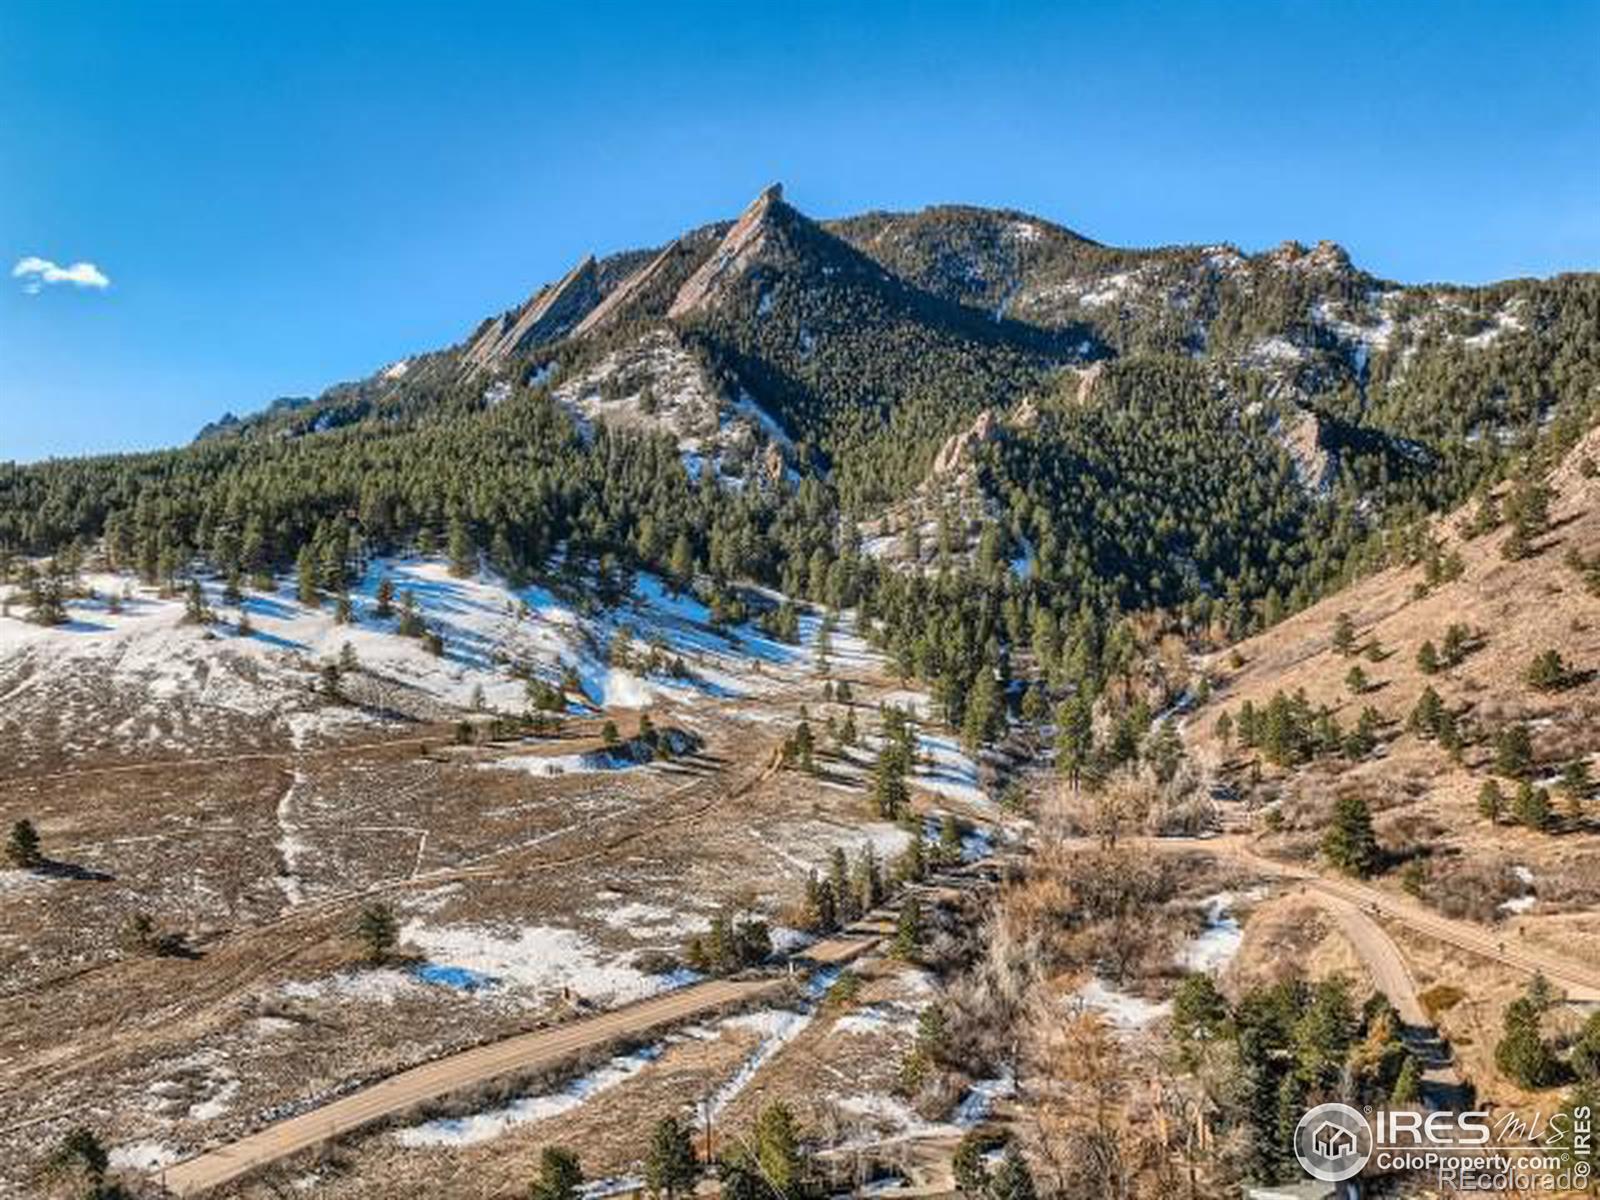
1423,788
1215,437
1449,697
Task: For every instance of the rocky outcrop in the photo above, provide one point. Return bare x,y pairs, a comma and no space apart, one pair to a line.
738,250
551,312
956,455
1324,256
1314,463
624,292
1087,378
772,464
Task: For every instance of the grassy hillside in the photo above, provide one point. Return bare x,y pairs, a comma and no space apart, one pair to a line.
1429,762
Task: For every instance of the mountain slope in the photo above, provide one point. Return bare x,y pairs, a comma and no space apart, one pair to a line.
1218,437
1422,780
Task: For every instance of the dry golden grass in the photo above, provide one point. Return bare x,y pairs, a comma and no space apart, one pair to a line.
1421,800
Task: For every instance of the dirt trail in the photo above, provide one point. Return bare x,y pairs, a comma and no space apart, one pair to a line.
532,1051
1580,980
543,1048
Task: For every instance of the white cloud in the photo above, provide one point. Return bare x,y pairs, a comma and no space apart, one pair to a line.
35,272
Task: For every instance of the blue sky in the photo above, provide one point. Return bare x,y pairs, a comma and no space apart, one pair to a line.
284,195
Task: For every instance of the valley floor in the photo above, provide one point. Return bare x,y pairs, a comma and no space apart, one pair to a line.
534,877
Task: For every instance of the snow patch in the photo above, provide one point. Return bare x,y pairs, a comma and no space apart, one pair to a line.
538,960
142,1156
484,1126
1123,1011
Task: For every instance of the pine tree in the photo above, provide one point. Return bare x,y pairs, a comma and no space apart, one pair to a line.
1522,1054
671,1168
1427,658
680,566
1344,633
1517,546
1012,1179
560,1175
966,1164
1408,1084
1223,727
839,884
1356,680
1035,705
1075,735
1513,751
463,554
949,840
1349,844
1199,1015
1491,801
780,1161
1425,715
411,624
983,713
383,607
1531,807
821,913
22,848
912,865
848,733
81,1149
867,880
306,577
1585,1056
1547,672
889,791
379,931
194,606
908,928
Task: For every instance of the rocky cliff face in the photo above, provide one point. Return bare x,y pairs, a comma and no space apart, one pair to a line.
739,249
957,454
549,314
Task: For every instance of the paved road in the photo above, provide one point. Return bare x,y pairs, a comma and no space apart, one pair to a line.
531,1051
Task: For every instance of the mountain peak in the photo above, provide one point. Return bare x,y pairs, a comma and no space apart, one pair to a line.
740,246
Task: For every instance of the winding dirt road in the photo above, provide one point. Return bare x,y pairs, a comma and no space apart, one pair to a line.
1579,980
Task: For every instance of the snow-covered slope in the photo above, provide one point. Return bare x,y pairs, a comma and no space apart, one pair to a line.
131,673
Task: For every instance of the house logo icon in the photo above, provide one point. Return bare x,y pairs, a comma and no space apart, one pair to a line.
1333,1142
